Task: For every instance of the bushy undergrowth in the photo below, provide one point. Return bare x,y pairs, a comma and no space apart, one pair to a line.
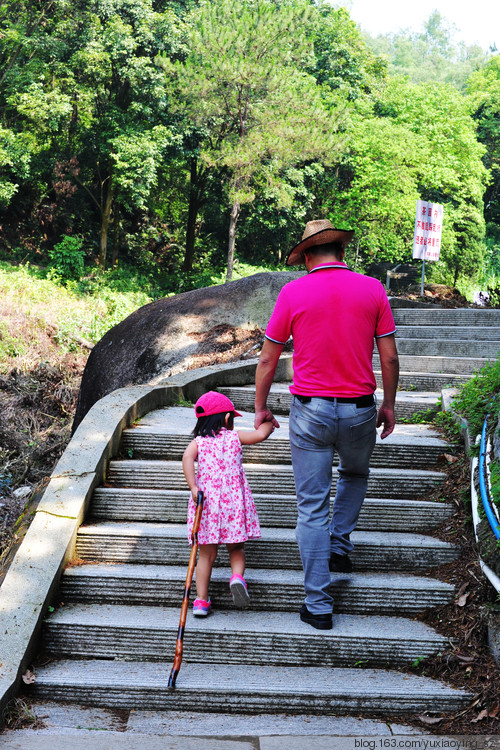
480,396
477,398
85,308
65,311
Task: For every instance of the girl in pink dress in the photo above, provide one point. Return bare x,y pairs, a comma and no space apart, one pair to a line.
229,512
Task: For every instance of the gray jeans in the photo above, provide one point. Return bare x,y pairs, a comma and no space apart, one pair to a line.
318,429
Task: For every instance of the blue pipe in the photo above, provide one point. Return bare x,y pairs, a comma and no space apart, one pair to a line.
482,484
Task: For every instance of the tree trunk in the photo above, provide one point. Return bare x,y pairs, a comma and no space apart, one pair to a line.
235,212
194,207
116,237
105,218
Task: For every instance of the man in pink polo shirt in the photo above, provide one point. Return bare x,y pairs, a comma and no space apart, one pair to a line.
334,317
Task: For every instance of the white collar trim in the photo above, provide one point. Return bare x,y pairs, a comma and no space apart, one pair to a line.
329,265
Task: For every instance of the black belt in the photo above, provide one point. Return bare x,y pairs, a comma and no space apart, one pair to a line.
361,401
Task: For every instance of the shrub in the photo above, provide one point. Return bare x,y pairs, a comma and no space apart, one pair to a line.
67,258
475,398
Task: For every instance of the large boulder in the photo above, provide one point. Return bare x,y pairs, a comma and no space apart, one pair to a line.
162,338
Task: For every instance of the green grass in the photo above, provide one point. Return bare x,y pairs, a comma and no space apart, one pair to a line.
36,303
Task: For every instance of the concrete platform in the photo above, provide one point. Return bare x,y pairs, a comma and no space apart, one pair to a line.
101,727
341,740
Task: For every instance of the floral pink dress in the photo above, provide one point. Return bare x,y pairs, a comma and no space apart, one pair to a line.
229,512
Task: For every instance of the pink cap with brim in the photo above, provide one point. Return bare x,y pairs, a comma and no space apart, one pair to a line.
214,403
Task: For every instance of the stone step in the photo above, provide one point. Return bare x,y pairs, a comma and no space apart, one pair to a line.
144,633
165,433
170,506
436,317
427,363
269,478
451,332
426,381
280,399
167,544
276,590
256,689
447,348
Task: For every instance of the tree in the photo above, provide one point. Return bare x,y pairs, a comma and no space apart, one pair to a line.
342,62
122,127
376,186
451,169
241,86
406,142
484,90
430,55
14,164
82,80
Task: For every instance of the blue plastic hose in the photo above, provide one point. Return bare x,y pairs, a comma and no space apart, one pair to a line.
483,486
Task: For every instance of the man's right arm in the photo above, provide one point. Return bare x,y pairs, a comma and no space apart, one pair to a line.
264,376
389,363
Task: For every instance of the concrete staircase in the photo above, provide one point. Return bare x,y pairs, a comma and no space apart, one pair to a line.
112,642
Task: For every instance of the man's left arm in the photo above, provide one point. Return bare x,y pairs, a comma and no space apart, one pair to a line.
264,376
389,364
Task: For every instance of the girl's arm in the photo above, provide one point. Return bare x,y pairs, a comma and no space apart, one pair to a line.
250,437
188,459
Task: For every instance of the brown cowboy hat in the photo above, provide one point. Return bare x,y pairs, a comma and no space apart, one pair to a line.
319,232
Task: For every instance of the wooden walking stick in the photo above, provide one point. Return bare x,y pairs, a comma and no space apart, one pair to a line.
187,589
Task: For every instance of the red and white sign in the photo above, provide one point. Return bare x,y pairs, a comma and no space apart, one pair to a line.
428,226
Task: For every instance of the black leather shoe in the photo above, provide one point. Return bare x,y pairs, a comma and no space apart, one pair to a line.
321,622
340,563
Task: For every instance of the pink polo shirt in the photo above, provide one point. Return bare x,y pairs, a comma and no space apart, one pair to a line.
333,315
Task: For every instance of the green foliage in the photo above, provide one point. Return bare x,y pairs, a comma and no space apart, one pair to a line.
484,91
70,311
417,664
342,61
10,345
448,423
138,125
179,400
378,187
423,417
475,398
83,82
87,308
403,146
14,164
431,55
495,481
256,112
67,258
